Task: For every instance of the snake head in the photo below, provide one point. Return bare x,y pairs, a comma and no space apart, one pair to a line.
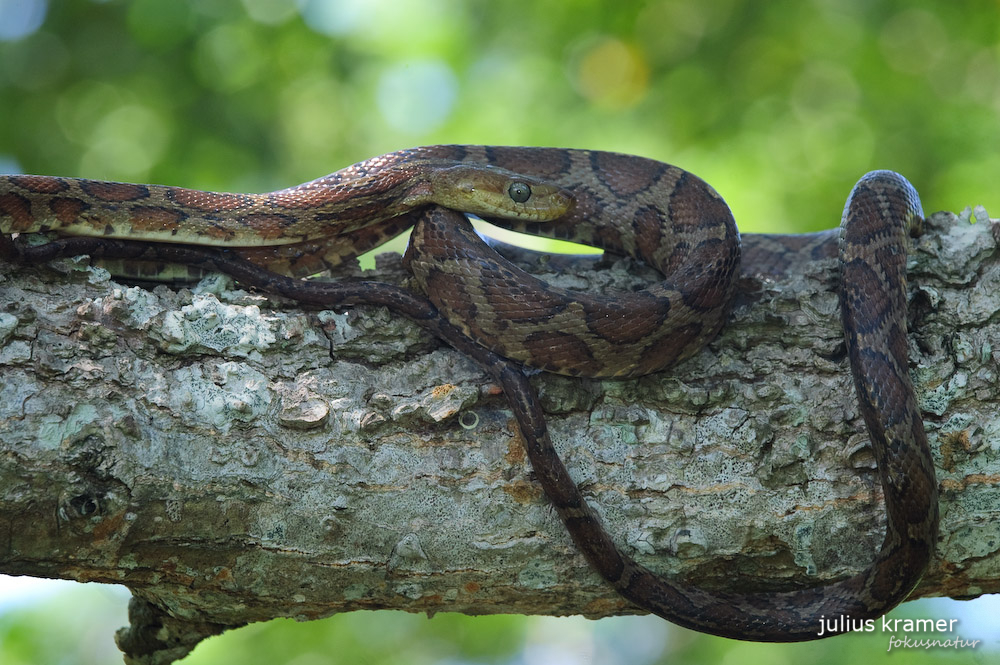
495,192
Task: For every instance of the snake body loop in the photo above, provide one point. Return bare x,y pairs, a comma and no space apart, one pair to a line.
487,308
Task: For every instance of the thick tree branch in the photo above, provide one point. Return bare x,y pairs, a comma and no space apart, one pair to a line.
232,458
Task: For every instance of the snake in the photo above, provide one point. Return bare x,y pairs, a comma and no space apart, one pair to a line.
511,322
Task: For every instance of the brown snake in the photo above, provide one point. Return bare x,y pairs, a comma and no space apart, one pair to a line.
491,310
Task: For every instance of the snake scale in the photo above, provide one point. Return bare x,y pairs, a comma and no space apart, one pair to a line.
489,309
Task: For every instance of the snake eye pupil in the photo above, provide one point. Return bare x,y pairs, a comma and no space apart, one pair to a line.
519,192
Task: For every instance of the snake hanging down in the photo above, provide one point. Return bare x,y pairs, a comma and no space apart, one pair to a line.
491,310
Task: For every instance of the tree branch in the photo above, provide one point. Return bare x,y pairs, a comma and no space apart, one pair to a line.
232,458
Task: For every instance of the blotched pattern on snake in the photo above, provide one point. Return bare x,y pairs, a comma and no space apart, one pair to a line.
491,310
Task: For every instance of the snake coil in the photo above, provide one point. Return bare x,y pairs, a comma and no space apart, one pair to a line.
487,308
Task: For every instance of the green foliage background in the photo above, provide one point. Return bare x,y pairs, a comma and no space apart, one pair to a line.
780,105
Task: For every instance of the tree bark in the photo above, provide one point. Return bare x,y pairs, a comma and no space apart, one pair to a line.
233,458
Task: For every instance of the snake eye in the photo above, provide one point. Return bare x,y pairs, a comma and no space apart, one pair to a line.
519,192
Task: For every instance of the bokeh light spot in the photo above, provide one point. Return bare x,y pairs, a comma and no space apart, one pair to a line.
20,18
416,96
270,12
611,73
125,144
228,58
335,17
825,87
9,165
